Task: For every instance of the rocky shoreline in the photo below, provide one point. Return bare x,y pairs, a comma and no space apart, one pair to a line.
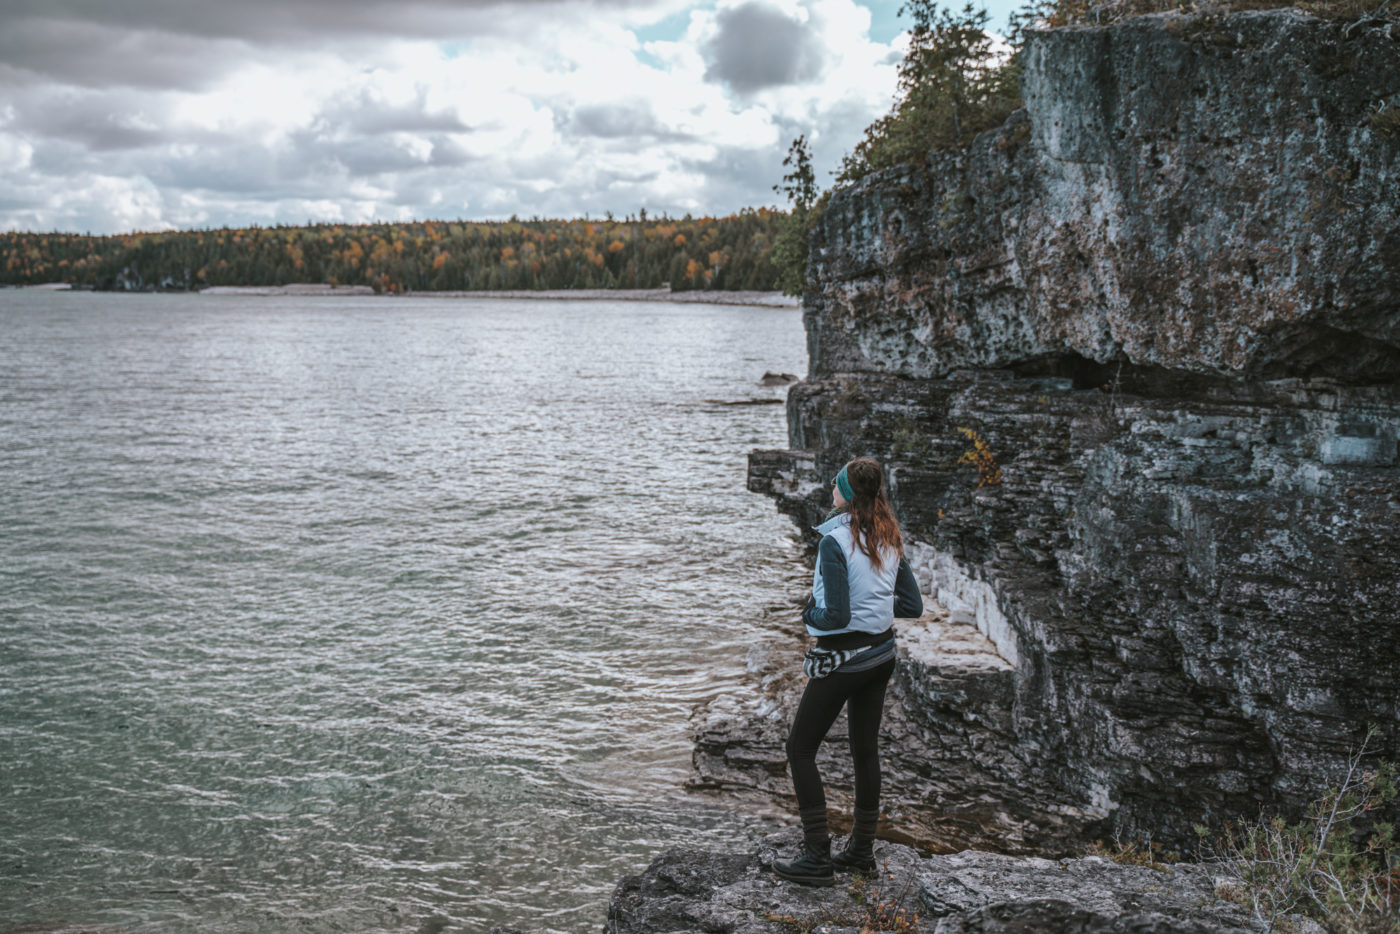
1175,513
1133,365
699,296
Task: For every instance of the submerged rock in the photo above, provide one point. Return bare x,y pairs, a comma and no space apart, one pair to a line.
956,894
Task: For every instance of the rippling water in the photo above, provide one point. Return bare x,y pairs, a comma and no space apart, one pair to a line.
366,614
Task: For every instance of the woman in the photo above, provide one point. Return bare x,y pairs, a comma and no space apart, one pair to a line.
861,584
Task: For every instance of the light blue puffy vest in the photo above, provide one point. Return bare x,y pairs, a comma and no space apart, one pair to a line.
872,591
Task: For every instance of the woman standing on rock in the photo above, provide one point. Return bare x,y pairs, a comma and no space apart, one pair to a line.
860,585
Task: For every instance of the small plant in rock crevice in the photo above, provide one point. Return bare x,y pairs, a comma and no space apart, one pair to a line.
881,905
980,456
908,440
1146,852
795,924
1104,419
1386,120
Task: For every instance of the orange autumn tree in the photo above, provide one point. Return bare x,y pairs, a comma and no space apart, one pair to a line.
730,252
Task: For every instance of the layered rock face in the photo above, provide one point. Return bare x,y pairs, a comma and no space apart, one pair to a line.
1133,364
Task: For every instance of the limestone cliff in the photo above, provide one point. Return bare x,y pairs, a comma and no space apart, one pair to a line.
1209,195
1133,363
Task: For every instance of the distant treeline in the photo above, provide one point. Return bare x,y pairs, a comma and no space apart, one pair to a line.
733,252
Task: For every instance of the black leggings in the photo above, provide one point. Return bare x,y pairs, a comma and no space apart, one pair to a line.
864,694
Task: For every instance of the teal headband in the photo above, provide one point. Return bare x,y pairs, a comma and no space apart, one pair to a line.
844,485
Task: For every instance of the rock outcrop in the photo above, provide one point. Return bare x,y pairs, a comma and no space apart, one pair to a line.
1208,195
1133,364
960,894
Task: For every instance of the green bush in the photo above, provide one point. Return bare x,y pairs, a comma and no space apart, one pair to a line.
951,87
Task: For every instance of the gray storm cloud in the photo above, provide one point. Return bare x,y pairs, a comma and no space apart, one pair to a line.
289,20
626,120
102,122
187,44
756,46
89,54
367,115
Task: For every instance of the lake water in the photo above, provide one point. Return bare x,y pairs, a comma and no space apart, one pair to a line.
326,614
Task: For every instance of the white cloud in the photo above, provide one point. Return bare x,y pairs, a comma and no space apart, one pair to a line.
571,117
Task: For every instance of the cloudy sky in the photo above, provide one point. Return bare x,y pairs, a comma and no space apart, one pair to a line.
119,115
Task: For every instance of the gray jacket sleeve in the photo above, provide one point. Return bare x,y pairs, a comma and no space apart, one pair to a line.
836,589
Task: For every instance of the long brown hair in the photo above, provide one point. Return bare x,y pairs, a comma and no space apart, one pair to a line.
873,525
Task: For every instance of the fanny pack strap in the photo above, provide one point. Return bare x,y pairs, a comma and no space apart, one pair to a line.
820,662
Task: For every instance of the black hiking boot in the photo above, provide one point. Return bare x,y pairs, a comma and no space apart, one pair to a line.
858,854
811,867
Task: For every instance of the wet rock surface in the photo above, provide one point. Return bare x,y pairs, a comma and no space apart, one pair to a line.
964,892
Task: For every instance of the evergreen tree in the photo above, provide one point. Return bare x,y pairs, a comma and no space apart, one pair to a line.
799,186
951,87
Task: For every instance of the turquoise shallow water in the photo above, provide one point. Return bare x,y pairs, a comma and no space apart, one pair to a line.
366,614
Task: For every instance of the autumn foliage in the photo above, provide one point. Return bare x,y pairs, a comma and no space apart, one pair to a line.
733,252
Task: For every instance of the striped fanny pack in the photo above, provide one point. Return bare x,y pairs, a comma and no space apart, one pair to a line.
819,662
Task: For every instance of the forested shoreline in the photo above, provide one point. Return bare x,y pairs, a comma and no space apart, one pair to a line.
732,252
